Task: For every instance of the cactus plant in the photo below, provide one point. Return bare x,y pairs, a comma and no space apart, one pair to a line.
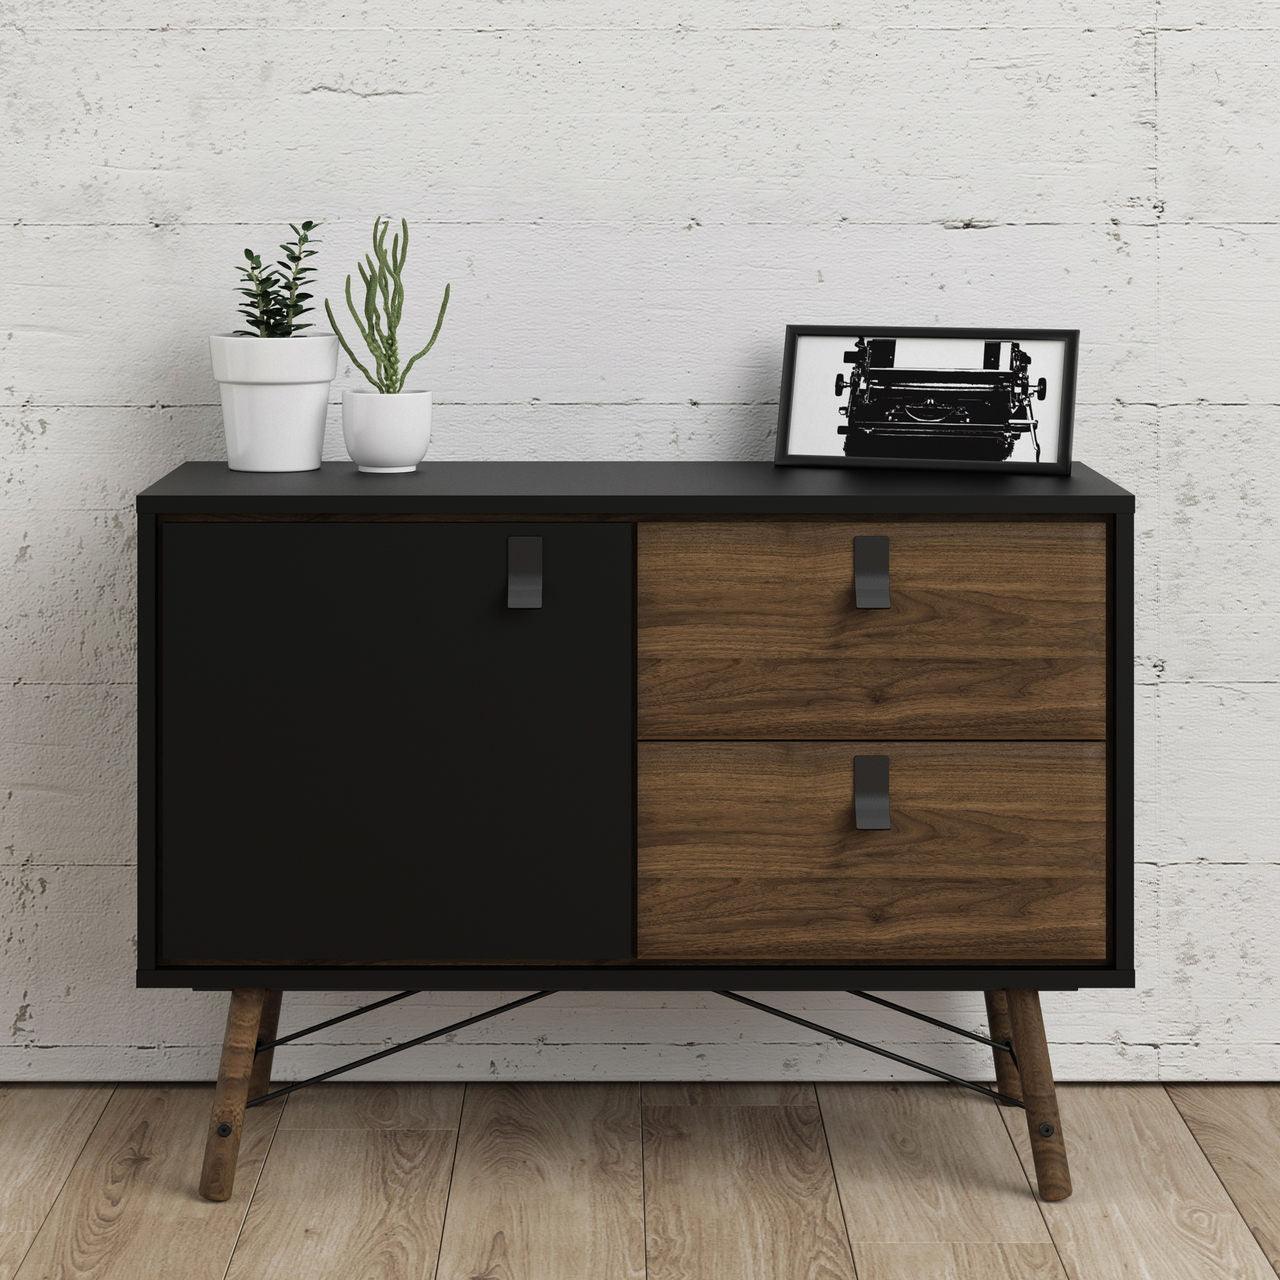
382,273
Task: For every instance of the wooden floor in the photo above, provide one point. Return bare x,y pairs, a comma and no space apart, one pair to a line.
622,1182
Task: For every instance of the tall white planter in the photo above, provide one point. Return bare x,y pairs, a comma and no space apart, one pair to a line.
275,392
386,433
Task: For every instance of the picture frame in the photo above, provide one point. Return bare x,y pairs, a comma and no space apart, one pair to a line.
928,398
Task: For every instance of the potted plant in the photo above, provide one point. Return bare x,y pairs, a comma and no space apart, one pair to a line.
275,393
386,429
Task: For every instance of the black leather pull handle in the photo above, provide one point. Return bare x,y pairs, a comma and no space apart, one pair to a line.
524,573
871,793
871,572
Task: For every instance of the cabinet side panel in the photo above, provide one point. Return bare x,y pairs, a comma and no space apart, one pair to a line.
148,557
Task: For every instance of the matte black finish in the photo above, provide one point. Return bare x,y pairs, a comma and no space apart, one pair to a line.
365,757
871,572
351,719
524,573
641,489
628,978
871,793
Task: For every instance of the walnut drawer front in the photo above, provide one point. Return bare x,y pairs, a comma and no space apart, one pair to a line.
996,854
995,629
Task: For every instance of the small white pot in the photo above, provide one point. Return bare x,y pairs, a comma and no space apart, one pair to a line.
275,392
386,434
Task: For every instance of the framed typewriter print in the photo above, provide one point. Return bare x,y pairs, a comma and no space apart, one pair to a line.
973,399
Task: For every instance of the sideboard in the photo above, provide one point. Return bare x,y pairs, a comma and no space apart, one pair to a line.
635,725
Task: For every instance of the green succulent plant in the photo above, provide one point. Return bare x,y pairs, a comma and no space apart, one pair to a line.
276,294
382,273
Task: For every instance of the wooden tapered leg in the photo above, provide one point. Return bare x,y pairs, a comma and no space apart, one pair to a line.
260,1077
1038,1094
226,1120
1007,1081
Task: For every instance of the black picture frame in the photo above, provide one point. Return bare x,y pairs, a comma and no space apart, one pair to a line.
1060,464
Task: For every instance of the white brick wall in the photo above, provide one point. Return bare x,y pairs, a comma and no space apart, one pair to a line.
631,200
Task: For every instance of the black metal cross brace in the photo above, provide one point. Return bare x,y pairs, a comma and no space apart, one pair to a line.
994,1094
273,1094
382,1053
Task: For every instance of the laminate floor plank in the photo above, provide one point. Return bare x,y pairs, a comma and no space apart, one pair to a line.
707,1093
926,1164
374,1106
129,1208
43,1129
1238,1128
741,1192
546,1185
959,1262
340,1203
1147,1205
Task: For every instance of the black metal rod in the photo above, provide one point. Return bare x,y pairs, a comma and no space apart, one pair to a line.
333,1022
1002,1045
395,1048
871,1048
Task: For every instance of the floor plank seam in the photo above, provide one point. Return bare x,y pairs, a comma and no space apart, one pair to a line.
1031,1191
448,1191
644,1186
1226,1190
835,1181
248,1208
62,1186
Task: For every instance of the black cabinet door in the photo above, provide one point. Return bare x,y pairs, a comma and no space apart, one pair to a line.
367,757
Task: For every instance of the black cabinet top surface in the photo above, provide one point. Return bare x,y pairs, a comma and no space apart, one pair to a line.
625,488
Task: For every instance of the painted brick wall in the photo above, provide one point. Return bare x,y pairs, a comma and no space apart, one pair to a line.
631,200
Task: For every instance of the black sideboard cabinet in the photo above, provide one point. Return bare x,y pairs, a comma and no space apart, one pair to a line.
634,725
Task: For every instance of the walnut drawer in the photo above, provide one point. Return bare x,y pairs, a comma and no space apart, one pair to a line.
748,630
996,854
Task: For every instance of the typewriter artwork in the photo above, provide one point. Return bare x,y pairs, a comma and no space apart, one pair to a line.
977,414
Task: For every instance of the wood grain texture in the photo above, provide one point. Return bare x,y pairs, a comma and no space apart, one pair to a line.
746,1192
268,1024
43,1129
749,630
999,1029
1147,1204
235,1071
713,1093
748,852
1238,1128
374,1106
546,1185
1039,1095
333,1204
926,1164
958,1262
129,1208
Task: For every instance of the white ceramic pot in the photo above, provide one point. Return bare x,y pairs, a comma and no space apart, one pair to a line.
275,392
386,434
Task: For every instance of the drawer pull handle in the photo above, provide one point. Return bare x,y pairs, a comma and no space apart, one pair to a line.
871,793
871,572
524,573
